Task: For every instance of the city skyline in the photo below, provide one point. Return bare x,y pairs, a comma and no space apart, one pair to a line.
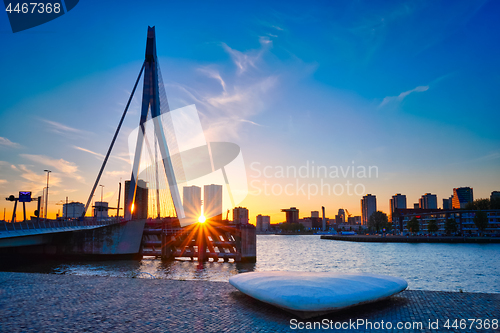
331,84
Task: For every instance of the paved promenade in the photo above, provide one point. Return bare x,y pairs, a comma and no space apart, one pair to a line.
58,303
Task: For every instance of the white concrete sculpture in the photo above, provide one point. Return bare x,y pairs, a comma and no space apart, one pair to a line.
309,294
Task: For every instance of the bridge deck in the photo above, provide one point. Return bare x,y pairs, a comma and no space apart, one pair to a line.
10,230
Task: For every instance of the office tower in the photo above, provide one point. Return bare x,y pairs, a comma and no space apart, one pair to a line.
368,207
340,217
428,201
212,202
398,201
292,215
416,206
240,215
263,222
462,196
446,204
315,213
140,208
191,201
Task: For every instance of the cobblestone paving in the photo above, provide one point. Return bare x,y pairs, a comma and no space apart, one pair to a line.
60,303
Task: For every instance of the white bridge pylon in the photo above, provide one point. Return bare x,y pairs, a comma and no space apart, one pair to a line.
151,101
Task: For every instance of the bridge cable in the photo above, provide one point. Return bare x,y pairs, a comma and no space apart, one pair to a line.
112,142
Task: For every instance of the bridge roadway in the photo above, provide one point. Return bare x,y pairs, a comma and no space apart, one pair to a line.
37,233
71,238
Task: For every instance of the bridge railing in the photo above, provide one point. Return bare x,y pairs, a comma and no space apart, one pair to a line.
53,224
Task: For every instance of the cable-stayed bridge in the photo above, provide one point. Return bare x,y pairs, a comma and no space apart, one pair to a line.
153,212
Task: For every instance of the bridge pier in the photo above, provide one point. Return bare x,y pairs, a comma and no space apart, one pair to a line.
166,239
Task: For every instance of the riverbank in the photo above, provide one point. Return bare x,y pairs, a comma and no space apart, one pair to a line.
412,239
64,303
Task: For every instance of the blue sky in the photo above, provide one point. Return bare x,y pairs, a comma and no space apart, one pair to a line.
407,86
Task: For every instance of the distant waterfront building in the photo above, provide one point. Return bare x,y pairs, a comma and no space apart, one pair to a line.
191,201
398,201
462,196
100,210
292,215
463,218
368,207
495,195
428,201
340,217
140,209
447,204
240,215
73,210
314,213
416,205
212,202
263,222
354,220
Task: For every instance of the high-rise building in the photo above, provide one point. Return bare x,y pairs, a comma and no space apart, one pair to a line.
191,201
292,215
340,217
428,201
140,208
314,213
462,196
212,202
240,215
368,207
398,201
263,222
446,204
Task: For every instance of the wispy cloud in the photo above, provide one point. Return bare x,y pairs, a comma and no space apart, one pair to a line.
212,73
391,100
61,127
7,143
89,151
117,173
101,156
108,195
35,182
249,59
3,181
69,169
64,130
245,92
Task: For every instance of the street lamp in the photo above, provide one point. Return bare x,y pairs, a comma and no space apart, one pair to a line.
100,208
47,193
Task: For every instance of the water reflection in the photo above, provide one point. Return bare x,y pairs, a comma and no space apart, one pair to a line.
470,267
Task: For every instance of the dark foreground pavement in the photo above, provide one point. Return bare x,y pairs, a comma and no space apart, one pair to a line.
60,303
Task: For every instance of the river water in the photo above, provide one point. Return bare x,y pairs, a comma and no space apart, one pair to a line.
445,267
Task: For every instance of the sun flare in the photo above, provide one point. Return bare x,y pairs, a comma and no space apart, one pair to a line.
201,219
